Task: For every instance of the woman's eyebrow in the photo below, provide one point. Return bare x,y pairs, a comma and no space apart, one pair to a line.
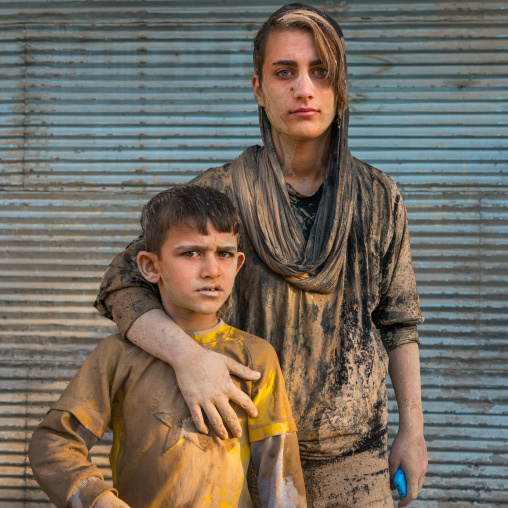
289,63
292,63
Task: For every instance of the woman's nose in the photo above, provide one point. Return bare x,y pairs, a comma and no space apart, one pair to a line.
304,87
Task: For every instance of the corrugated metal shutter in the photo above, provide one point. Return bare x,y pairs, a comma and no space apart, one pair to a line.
104,103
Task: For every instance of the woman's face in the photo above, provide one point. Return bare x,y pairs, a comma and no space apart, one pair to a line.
295,90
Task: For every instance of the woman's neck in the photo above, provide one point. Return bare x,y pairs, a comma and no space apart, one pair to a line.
303,163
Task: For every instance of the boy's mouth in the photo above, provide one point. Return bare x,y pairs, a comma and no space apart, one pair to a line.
212,290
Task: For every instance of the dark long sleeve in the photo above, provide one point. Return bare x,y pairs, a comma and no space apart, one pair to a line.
124,294
398,311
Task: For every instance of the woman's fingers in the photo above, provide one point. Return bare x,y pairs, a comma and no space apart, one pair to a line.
205,383
215,420
236,395
197,417
242,371
229,416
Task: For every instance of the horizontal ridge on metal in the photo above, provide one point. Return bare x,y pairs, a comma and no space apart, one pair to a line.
103,104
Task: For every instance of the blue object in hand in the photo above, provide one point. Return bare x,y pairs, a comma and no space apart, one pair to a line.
400,483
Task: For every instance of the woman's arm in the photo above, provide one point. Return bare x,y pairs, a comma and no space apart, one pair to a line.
408,449
204,377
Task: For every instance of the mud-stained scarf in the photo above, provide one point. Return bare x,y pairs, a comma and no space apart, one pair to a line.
269,219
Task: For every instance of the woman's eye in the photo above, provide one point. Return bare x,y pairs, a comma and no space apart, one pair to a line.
321,72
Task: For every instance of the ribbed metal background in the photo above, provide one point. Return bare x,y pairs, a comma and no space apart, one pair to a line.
103,103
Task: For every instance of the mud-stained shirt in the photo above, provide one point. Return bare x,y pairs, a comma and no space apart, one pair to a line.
158,458
333,359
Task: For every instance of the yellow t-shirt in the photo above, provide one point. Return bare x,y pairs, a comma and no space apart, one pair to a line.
158,458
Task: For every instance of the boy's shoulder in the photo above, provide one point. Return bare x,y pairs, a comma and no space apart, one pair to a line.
256,345
115,342
114,350
244,347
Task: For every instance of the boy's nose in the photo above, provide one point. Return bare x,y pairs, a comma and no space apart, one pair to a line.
209,267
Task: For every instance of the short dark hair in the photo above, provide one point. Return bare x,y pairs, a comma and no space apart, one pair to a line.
191,206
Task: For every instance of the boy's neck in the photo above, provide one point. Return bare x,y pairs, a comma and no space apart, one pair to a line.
191,322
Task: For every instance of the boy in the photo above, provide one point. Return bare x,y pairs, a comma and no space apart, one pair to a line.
158,458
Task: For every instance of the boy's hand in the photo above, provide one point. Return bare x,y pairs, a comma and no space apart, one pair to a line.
204,378
109,500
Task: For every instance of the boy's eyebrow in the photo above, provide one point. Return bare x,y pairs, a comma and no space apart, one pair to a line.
292,63
184,248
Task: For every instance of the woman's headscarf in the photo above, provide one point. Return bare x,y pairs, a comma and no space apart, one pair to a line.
269,218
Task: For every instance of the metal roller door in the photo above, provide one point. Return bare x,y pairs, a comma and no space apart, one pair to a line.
104,103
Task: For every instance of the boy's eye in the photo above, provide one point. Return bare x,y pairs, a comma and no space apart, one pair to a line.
190,254
225,254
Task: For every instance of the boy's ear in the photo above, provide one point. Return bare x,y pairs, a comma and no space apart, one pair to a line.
148,266
240,259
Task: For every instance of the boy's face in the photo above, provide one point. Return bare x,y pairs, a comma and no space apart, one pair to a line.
195,273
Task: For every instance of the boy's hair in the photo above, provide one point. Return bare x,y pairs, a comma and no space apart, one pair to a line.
191,206
329,45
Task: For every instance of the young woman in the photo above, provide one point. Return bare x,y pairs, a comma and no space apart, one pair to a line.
327,261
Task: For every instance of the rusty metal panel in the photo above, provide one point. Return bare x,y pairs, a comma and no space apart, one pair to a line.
231,11
12,107
104,103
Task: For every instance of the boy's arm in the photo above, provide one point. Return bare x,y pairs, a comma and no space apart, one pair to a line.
274,445
59,457
109,500
276,461
204,377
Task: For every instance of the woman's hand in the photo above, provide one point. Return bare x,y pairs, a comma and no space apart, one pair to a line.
409,452
204,377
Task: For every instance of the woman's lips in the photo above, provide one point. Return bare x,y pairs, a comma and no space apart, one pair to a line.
305,112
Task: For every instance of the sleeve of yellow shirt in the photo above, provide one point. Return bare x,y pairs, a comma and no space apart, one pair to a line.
60,461
276,461
269,396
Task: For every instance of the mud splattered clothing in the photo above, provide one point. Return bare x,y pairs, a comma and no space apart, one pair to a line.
158,458
333,361
314,285
359,480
